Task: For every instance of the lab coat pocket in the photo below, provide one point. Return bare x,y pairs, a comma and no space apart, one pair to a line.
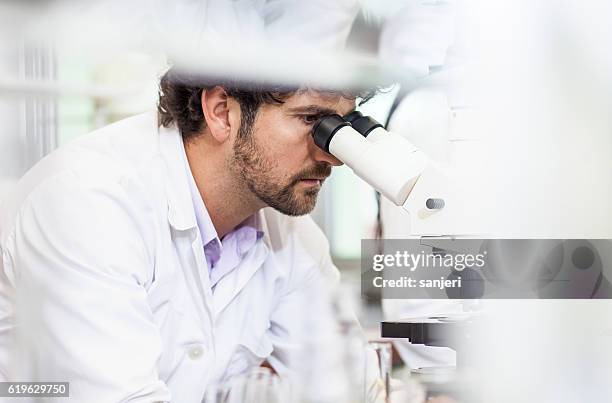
249,353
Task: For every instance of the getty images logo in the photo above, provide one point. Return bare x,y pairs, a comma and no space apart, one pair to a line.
412,261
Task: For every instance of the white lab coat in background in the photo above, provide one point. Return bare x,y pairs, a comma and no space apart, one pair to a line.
320,24
189,24
103,279
418,36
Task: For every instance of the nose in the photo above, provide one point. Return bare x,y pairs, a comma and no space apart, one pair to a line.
321,155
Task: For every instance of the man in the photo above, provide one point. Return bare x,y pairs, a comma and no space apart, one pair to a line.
142,263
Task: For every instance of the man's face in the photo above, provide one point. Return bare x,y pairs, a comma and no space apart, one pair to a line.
277,158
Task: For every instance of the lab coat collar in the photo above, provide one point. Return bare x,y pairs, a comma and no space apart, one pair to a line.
180,206
259,222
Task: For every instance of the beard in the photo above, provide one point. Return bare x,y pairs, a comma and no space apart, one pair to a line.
258,173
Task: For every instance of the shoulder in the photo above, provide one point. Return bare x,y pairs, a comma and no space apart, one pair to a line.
92,171
66,221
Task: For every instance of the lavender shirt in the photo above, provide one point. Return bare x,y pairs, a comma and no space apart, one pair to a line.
222,255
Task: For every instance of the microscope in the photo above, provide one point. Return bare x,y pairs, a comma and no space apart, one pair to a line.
396,168
406,176
439,214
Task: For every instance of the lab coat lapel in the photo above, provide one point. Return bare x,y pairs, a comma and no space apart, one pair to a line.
230,286
185,246
181,217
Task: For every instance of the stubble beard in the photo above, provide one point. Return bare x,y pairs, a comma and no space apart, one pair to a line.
256,172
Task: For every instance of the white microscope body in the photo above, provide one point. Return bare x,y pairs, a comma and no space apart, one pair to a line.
402,173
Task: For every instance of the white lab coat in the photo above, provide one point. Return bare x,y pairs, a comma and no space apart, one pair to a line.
188,24
104,283
418,36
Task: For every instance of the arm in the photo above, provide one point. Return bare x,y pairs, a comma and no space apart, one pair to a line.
304,329
314,330
83,317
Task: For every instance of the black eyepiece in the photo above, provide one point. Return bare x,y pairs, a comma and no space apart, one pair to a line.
353,116
325,129
363,124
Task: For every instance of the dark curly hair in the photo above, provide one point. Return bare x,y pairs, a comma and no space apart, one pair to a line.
180,99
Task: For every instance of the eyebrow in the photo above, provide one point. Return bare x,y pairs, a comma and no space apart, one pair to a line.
315,110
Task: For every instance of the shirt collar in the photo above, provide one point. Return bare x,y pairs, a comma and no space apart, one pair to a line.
247,234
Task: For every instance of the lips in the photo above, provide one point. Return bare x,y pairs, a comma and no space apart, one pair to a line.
314,176
312,181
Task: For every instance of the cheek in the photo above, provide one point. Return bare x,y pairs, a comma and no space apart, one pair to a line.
287,146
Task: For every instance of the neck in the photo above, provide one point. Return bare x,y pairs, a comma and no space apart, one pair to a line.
227,201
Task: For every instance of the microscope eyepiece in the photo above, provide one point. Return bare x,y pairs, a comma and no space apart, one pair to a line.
363,124
325,129
387,161
353,116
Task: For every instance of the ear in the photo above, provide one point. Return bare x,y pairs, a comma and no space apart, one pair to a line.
216,113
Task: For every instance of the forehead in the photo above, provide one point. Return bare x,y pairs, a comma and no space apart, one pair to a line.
326,101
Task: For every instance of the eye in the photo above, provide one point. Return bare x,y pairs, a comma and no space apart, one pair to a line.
310,119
